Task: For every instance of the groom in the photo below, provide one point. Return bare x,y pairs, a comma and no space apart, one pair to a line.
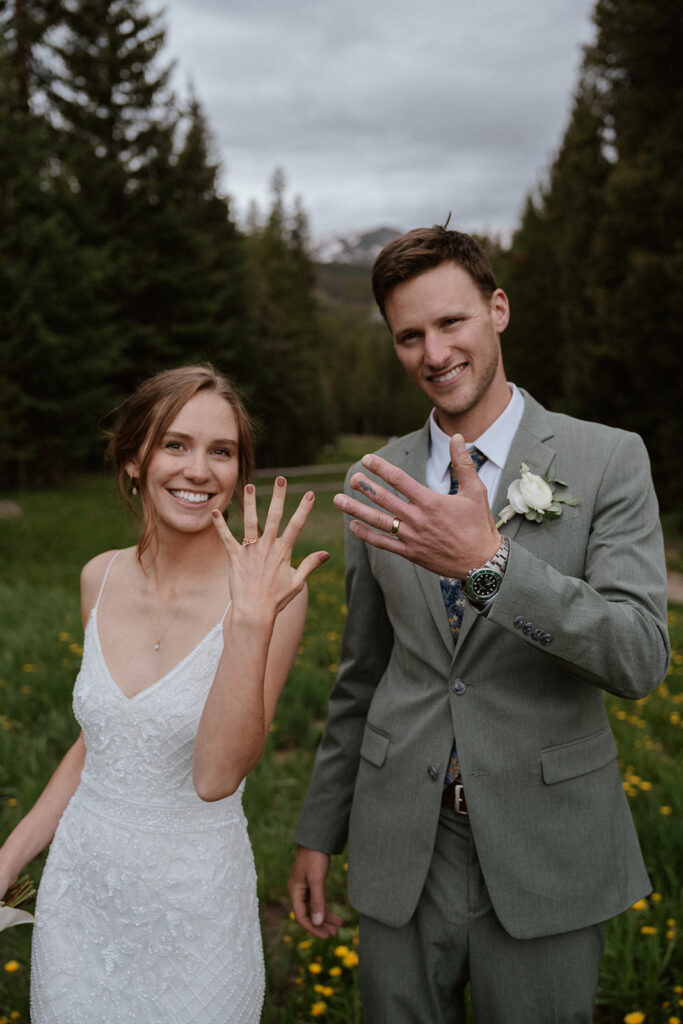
467,757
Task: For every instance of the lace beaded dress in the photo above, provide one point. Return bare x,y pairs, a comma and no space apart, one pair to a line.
147,909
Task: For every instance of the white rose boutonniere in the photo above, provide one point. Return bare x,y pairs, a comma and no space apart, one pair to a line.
534,497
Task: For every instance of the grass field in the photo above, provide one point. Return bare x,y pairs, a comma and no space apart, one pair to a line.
41,554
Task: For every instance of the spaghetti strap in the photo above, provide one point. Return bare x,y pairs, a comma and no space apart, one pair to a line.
224,613
104,578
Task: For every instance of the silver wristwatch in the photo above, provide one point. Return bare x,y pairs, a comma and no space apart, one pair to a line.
481,584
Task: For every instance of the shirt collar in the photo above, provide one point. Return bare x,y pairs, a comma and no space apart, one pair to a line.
495,442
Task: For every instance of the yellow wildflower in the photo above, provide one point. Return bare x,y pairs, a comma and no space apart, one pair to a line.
341,951
64,638
678,989
636,1017
304,944
291,915
324,990
315,968
335,972
11,966
318,1009
25,689
645,786
640,905
674,718
29,667
14,1015
351,959
648,929
12,802
666,810
671,934
287,939
3,683
674,1020
656,897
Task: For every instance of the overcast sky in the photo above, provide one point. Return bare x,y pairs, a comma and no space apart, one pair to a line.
383,112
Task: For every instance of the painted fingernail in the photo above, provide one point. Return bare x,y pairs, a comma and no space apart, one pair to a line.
323,556
216,514
280,481
250,489
309,495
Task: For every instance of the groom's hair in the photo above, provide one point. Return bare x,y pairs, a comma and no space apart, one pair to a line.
423,249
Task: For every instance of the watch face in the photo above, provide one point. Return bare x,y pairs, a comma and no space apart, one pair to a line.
484,584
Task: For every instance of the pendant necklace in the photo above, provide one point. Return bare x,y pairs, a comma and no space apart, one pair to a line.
162,634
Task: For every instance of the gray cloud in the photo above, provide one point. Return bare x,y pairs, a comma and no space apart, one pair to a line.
381,111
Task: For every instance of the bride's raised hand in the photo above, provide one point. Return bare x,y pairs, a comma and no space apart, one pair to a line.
260,571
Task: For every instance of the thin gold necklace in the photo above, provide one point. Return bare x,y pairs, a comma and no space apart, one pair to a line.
164,631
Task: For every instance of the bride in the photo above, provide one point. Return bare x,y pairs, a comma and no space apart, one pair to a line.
147,908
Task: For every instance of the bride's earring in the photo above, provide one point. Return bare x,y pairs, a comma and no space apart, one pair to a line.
134,487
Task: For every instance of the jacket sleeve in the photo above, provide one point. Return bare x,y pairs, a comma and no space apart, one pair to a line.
608,625
366,646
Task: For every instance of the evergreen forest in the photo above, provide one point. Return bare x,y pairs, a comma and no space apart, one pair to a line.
120,254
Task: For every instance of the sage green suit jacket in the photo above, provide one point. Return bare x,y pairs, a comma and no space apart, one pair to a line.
582,610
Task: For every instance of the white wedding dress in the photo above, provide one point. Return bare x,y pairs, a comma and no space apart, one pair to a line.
147,909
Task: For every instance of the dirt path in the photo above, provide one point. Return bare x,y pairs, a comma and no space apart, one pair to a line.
676,586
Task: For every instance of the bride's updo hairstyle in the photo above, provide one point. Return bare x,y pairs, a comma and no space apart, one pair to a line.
143,419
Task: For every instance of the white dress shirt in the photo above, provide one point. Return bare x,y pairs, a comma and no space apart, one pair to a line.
494,443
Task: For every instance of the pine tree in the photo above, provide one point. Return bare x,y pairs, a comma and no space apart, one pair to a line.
288,384
190,262
47,416
636,70
116,119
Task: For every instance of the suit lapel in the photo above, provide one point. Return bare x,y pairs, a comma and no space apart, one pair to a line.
528,445
414,462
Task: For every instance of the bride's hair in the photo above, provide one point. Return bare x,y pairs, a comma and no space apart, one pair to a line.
143,419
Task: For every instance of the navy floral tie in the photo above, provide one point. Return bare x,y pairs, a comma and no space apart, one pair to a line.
455,606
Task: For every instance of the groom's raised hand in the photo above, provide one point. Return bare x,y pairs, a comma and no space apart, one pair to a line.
306,888
446,533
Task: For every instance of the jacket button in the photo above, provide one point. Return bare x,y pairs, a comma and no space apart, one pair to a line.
547,639
539,634
528,628
432,772
458,685
519,621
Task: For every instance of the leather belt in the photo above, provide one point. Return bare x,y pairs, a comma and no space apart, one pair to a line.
454,797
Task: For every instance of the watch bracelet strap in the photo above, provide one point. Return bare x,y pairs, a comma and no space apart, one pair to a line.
497,563
500,559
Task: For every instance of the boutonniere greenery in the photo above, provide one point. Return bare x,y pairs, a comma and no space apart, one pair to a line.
534,497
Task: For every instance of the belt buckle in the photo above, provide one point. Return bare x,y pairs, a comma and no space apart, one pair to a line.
459,803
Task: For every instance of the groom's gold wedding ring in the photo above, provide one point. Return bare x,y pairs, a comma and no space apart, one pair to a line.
249,540
394,526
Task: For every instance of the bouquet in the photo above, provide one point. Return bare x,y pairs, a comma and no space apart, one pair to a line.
19,893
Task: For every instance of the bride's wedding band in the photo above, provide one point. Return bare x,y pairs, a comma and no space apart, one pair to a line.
249,540
394,526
